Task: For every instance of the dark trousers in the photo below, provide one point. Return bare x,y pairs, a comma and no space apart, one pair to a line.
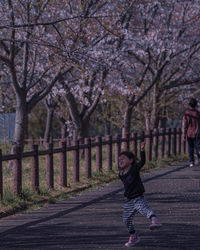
193,144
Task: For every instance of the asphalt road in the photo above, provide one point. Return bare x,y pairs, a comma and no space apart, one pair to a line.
93,220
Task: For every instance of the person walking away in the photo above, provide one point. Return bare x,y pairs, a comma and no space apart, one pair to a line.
134,193
191,130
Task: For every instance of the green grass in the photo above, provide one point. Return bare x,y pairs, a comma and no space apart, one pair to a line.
29,200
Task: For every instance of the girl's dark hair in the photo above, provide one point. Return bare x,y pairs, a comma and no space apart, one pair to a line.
129,154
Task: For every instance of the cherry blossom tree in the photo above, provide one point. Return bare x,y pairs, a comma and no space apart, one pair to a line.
143,50
40,41
28,65
137,49
82,99
157,51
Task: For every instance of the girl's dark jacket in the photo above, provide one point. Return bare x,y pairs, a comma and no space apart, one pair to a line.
132,182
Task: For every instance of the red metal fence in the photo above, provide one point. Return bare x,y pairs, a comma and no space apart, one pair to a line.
159,143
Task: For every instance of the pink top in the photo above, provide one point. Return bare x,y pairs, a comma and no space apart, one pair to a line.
191,121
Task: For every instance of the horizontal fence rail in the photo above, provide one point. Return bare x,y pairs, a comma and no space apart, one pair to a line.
159,143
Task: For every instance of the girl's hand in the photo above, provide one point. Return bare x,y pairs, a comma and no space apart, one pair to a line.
142,145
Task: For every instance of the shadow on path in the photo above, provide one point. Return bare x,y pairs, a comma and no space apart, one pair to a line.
93,220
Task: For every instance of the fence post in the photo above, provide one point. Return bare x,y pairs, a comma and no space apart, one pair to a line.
63,164
81,151
18,171
76,161
99,153
174,141
182,144
155,143
31,142
149,145
68,142
186,146
88,158
41,141
109,152
169,135
49,165
1,177
162,143
179,140
117,148
34,168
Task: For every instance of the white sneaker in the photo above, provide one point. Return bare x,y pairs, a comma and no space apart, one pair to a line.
191,164
155,225
133,239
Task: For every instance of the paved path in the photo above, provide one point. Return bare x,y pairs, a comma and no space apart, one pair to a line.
93,220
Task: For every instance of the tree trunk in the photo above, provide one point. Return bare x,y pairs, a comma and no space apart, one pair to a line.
162,120
147,120
50,105
153,118
21,123
26,133
107,127
127,120
63,130
83,129
48,129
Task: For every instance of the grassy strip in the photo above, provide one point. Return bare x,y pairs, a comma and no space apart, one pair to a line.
29,200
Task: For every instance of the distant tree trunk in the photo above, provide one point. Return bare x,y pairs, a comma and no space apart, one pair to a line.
127,118
48,129
154,112
63,131
50,106
80,119
147,120
128,115
83,130
107,123
151,113
162,118
127,121
63,127
107,127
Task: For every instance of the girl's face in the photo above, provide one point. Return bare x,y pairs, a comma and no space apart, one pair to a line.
125,162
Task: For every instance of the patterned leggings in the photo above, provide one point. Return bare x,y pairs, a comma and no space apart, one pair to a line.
132,206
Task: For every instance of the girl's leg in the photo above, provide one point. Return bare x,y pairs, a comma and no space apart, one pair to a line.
143,208
128,213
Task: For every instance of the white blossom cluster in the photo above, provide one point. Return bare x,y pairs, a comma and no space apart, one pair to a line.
133,40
